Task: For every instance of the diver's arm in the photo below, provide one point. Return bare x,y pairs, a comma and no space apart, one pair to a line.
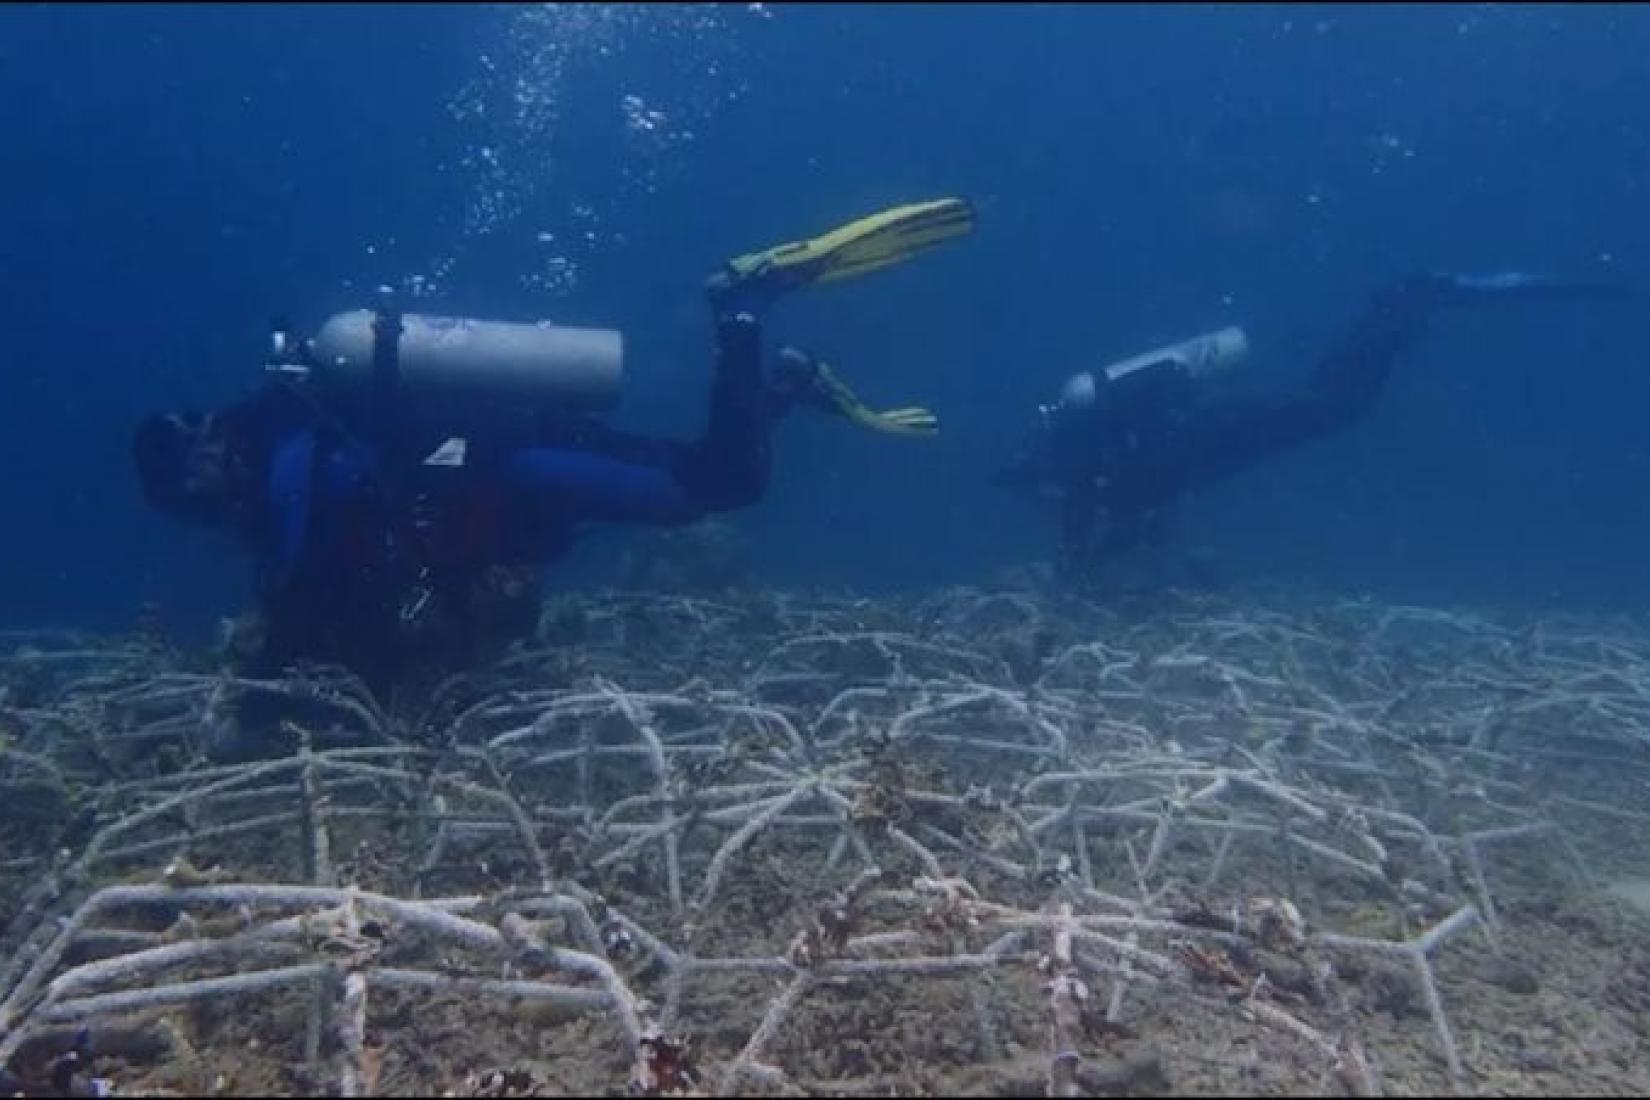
310,474
268,492
291,486
1060,455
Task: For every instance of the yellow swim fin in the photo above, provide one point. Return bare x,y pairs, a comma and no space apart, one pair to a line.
830,393
857,248
914,421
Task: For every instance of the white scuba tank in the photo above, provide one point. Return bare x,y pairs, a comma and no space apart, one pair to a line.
1200,357
454,358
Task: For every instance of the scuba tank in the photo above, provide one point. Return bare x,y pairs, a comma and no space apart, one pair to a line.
1197,358
419,387
438,361
420,394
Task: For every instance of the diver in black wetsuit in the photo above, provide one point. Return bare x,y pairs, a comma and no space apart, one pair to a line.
389,544
1117,449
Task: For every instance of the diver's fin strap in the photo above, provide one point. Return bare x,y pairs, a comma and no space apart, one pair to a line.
859,247
835,397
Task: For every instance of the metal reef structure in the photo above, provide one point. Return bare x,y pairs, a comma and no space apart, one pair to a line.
792,844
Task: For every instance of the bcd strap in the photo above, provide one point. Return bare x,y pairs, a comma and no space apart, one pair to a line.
386,351
413,515
381,411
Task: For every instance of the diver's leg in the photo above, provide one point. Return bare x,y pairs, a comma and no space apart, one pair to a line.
1351,374
729,465
1228,434
598,474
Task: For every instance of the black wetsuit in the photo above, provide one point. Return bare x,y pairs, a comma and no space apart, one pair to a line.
1152,436
371,562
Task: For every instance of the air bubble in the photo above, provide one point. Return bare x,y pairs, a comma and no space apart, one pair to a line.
512,106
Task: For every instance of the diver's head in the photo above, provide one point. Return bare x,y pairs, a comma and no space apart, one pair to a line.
183,464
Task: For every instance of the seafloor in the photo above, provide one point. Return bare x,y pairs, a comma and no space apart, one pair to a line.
980,842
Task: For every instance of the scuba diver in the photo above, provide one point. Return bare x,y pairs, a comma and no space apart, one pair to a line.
400,478
1123,442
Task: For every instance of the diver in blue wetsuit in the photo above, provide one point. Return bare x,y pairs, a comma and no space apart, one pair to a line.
392,535
1123,442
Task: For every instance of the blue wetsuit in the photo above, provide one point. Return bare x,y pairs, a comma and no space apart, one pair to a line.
346,537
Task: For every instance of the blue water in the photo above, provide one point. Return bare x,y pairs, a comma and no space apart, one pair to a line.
175,176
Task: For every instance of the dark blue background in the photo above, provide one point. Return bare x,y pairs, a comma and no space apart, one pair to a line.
174,176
